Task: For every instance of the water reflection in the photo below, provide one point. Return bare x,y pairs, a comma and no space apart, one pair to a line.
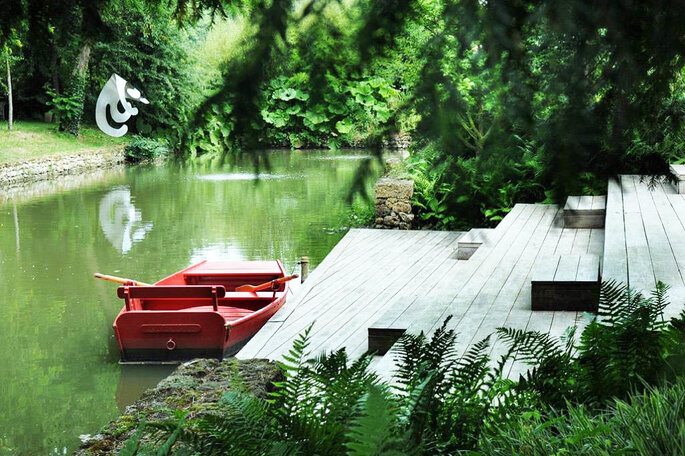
120,221
239,177
59,375
136,379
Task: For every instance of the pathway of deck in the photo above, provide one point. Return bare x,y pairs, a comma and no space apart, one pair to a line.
413,280
415,275
645,228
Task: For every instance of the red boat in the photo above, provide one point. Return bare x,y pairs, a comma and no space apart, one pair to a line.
197,312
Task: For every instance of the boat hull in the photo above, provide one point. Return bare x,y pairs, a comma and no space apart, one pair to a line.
162,327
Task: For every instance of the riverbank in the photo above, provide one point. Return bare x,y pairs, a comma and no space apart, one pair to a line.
18,173
36,151
195,388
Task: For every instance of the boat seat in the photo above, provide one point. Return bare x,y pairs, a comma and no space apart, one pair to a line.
227,312
213,292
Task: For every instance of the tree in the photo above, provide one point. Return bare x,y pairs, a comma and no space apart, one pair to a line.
9,91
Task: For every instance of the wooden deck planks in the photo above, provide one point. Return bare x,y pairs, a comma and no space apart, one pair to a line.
412,280
615,257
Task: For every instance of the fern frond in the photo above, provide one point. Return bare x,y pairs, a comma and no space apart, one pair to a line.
375,431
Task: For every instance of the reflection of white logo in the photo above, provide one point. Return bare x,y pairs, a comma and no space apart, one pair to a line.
115,92
120,221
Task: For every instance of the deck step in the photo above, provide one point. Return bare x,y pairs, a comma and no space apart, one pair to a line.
566,282
387,330
585,212
678,172
471,241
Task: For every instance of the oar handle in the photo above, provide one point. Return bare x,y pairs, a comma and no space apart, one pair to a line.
266,285
121,280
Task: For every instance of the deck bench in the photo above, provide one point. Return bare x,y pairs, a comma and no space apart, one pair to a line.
678,172
566,282
585,212
471,241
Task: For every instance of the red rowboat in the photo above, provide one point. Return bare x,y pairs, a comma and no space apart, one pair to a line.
196,312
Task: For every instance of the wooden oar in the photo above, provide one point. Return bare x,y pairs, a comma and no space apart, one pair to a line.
121,280
272,284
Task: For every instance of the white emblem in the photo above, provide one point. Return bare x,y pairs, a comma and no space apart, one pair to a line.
116,91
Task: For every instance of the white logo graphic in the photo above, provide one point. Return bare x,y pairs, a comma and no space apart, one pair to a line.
115,92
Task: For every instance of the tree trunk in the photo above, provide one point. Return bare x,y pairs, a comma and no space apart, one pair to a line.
9,95
83,59
76,90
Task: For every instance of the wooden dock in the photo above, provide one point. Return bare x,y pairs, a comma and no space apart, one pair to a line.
412,280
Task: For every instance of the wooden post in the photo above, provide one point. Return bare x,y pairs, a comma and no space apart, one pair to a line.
304,266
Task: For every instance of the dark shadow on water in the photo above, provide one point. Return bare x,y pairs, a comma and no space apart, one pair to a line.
136,379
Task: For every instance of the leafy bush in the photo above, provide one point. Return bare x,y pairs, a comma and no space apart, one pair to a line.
649,423
68,109
142,149
458,193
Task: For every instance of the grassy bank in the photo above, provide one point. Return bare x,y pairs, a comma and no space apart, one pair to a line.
36,139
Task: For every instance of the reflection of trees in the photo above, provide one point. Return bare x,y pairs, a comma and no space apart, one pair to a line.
59,373
121,221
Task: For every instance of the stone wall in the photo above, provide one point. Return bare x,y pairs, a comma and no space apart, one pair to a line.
393,203
401,141
50,167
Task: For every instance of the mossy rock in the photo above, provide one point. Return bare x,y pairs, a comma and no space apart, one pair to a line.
194,387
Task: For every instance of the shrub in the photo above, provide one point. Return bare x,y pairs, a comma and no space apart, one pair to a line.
144,149
650,423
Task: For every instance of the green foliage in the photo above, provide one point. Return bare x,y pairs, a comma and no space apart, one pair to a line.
443,403
458,193
148,50
649,423
626,346
68,109
142,149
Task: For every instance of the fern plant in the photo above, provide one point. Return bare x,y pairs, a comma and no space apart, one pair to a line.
627,345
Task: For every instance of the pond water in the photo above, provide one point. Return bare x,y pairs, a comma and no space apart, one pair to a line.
59,371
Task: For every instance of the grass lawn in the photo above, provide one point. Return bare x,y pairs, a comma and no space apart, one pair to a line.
35,139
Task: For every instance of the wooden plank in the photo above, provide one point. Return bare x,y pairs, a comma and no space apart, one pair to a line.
585,203
565,245
615,260
506,279
377,255
303,314
596,243
332,318
581,241
588,269
630,201
371,304
434,307
493,270
567,269
599,203
640,269
664,263
518,280
546,269
572,203
314,284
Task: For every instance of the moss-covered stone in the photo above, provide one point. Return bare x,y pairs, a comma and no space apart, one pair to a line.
195,387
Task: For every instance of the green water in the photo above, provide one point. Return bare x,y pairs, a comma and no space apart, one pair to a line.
59,371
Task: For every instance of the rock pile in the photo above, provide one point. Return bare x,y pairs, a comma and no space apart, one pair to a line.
401,141
393,203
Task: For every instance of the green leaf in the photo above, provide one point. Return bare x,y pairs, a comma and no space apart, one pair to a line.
344,126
